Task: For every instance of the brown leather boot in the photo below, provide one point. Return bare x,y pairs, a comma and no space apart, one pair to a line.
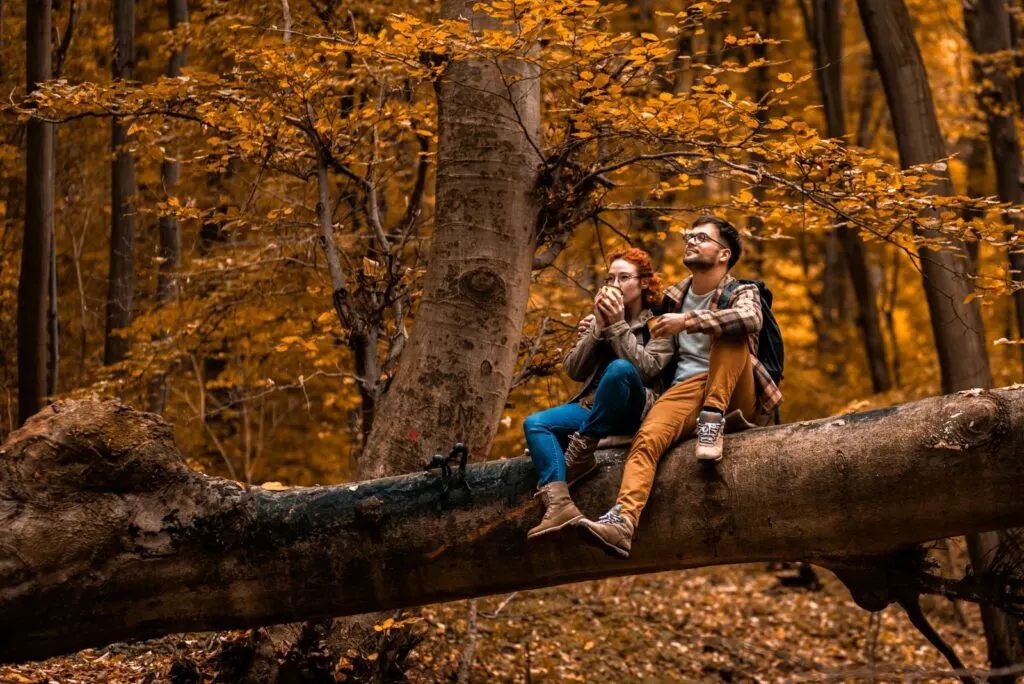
559,509
579,457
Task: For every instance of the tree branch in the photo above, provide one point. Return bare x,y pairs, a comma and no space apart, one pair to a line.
143,547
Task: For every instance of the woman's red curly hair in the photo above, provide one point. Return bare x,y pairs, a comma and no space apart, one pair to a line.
652,294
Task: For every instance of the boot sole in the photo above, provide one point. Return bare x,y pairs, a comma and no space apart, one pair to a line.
594,539
582,475
709,459
567,523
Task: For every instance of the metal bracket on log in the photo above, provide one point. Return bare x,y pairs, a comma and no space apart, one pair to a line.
451,479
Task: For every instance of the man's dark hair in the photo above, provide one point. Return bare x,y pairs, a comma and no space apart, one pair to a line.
727,232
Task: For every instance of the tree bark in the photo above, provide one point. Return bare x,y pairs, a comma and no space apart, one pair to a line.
988,28
458,365
33,283
956,325
825,28
109,536
121,279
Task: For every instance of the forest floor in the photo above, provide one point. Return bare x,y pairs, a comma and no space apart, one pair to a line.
732,624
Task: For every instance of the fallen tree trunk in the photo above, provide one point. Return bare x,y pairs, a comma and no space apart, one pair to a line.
106,535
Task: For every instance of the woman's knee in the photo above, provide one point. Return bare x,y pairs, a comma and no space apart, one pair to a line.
620,368
533,424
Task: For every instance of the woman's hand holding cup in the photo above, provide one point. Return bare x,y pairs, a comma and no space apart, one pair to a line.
609,305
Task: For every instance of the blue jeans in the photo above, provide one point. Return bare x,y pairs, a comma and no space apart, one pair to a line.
618,406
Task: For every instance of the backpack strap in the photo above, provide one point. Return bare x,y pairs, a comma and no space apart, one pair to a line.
728,291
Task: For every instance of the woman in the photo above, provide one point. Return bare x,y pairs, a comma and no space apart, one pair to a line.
615,363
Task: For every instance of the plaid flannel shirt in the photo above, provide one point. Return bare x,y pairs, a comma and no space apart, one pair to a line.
742,316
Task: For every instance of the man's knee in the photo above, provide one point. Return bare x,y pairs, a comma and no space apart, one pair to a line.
649,443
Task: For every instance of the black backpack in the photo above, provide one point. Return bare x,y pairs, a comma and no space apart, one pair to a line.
769,342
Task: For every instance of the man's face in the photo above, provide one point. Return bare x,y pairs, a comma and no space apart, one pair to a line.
704,248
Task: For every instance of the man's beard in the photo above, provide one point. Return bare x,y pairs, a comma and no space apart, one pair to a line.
698,262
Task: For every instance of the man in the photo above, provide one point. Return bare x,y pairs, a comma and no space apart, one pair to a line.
716,373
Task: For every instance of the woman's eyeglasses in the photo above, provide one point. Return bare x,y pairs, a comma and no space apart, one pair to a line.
620,278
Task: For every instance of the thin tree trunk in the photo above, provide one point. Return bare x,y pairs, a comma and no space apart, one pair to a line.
1018,61
988,28
33,283
977,163
459,362
825,29
145,547
956,324
51,317
170,173
766,27
121,279
362,335
169,248
286,13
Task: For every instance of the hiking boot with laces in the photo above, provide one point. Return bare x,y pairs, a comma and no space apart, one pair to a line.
612,532
710,433
579,457
559,509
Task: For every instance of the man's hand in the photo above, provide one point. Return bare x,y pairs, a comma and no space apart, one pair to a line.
599,316
670,325
584,324
610,306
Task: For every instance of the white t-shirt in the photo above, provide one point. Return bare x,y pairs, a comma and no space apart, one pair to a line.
694,349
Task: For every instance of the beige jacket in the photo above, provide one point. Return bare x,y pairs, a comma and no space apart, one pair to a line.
595,350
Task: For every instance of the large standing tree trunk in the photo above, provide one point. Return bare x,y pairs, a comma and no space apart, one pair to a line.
989,31
956,324
957,327
457,368
825,30
140,546
988,28
39,199
121,279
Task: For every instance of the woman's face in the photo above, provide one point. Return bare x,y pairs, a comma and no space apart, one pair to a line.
624,275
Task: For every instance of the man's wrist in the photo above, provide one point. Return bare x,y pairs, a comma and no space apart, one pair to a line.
614,328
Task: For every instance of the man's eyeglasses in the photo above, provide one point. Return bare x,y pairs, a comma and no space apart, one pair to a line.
620,278
701,237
